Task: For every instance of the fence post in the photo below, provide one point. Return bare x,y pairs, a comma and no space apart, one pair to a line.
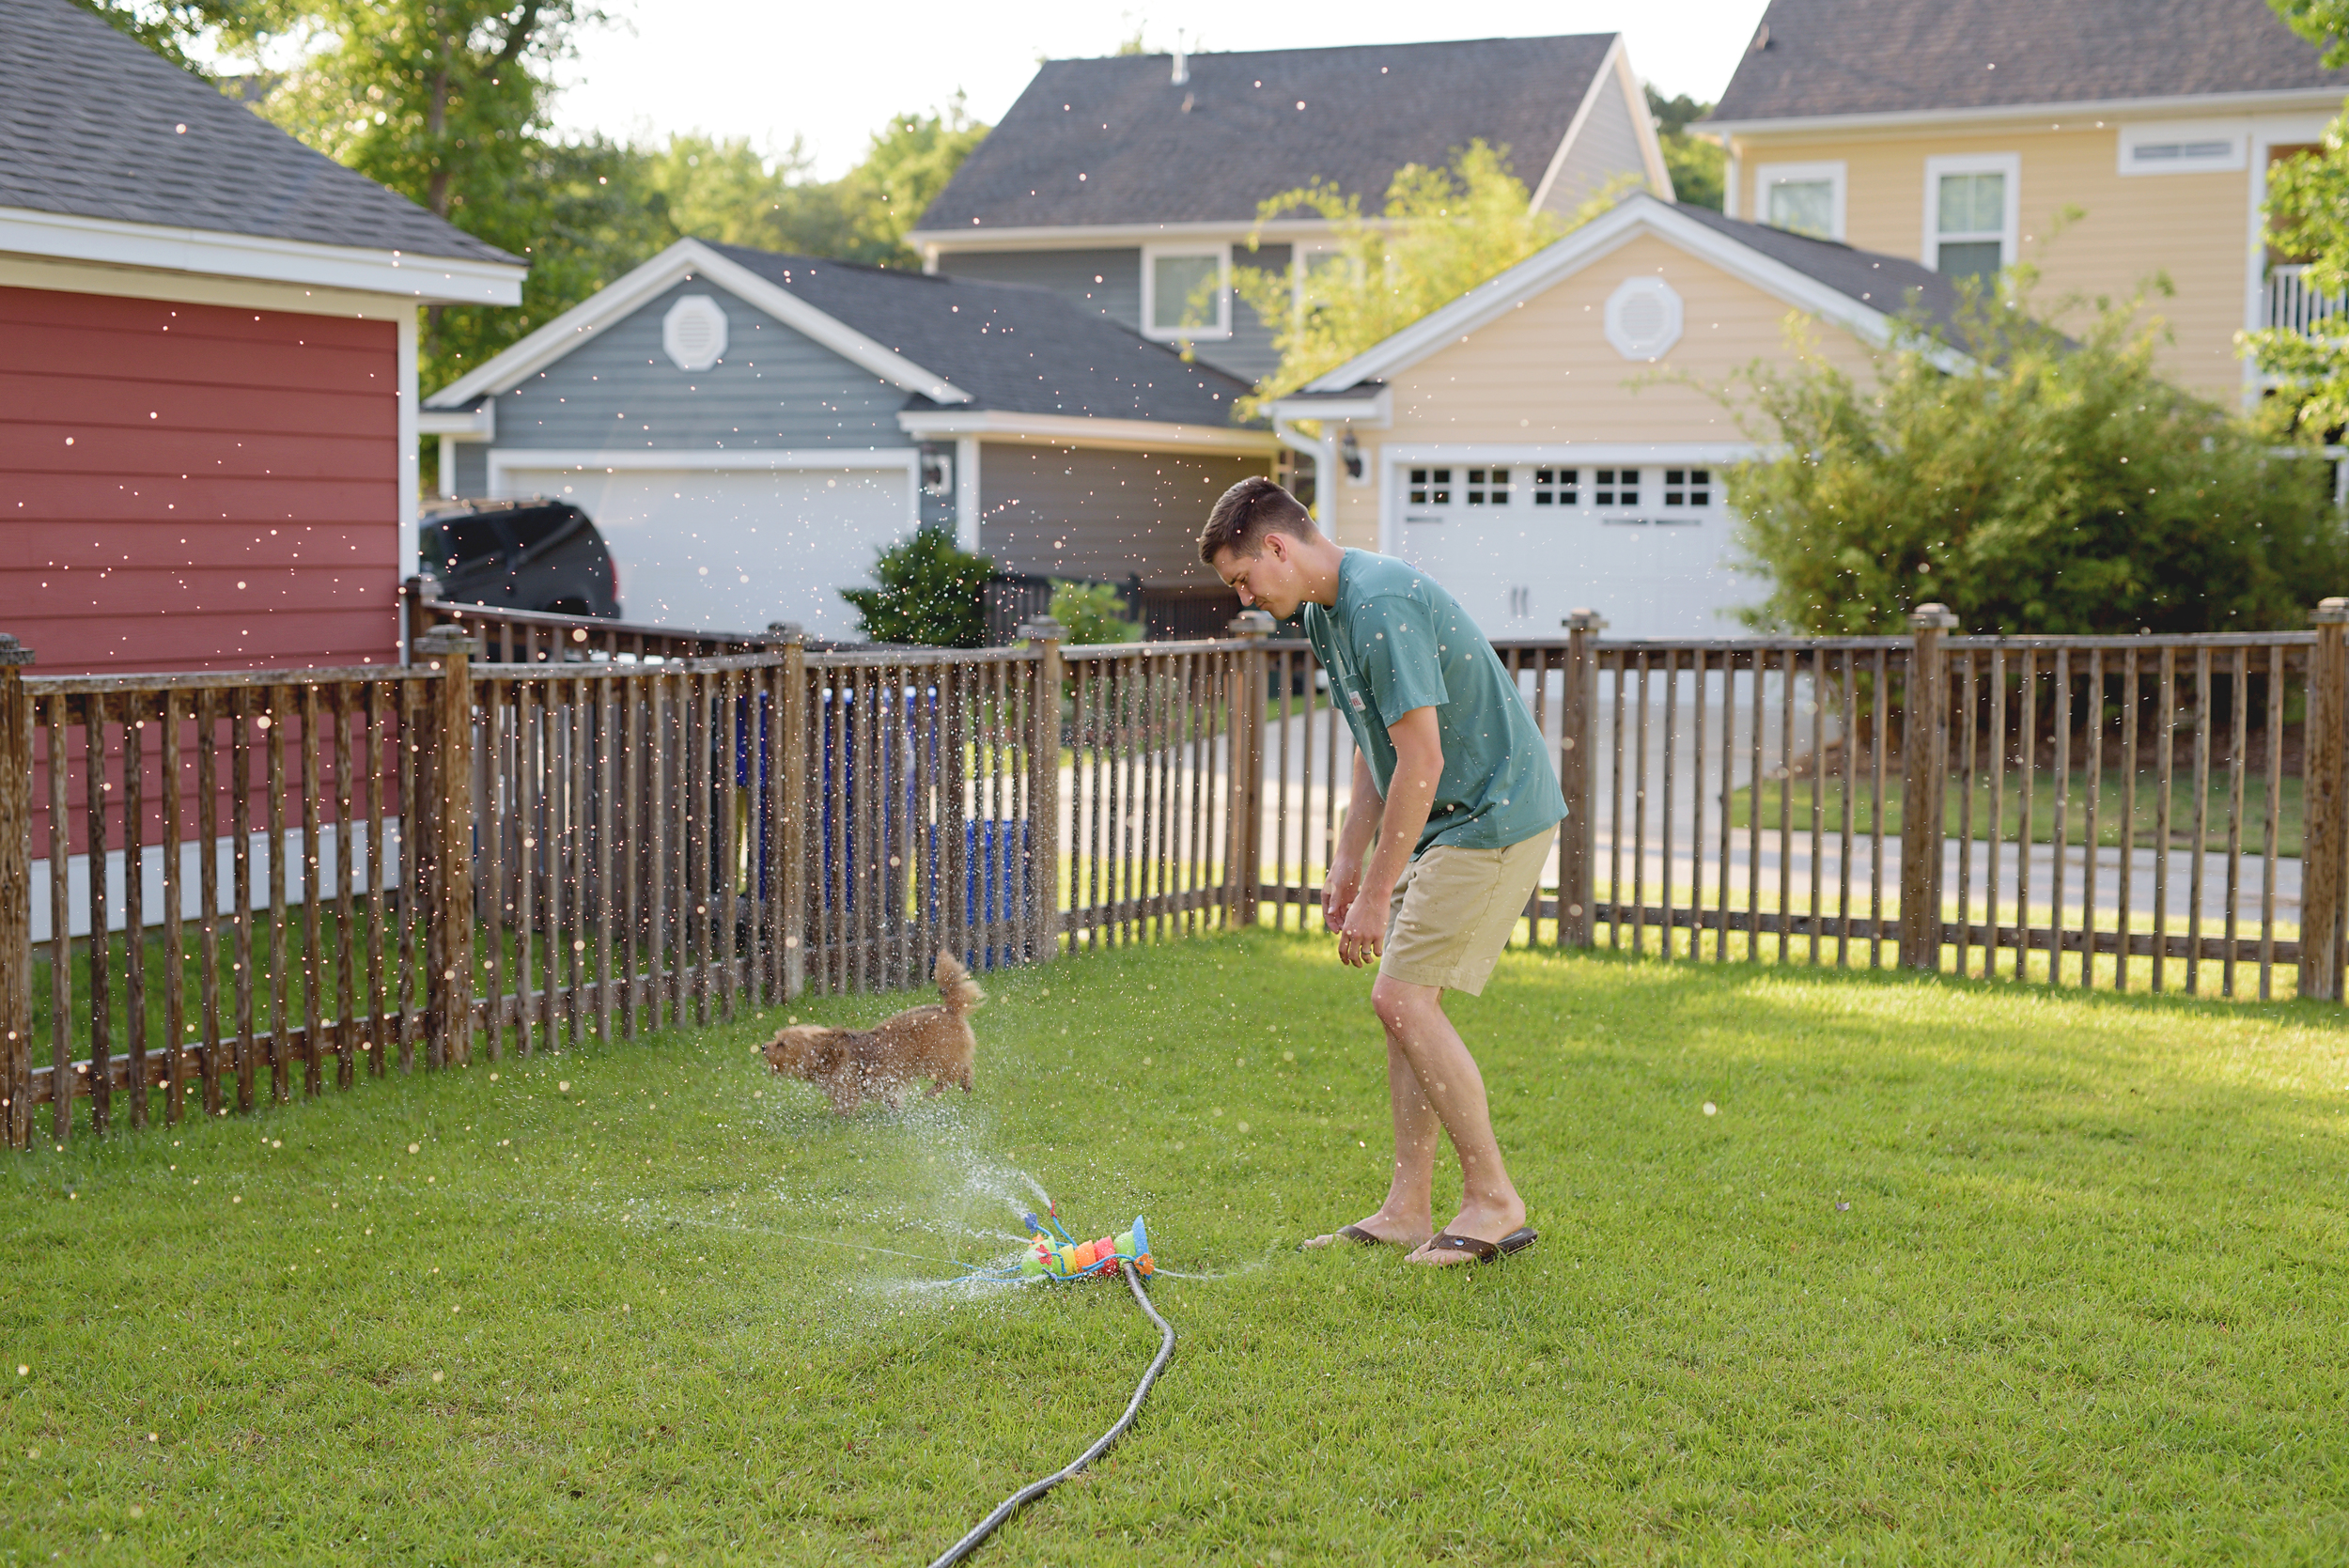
1924,771
1245,842
1044,635
2320,889
1577,840
792,925
449,916
16,895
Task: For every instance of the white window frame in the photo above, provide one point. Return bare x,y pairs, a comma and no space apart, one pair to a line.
1303,254
2007,163
1836,173
1151,257
2235,133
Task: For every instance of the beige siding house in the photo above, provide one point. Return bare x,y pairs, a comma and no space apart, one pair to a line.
1553,439
2105,141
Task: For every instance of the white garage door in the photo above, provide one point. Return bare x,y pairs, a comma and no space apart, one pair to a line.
732,550
1519,544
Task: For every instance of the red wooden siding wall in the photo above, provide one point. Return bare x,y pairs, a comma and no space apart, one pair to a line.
195,487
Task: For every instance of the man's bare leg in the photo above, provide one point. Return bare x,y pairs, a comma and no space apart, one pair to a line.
1446,1075
1407,1218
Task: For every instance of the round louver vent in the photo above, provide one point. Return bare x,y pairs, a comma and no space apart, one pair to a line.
1643,317
693,334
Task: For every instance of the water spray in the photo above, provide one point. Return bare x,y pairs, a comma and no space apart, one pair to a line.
1054,1254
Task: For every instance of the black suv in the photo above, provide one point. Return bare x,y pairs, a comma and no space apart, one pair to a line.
536,554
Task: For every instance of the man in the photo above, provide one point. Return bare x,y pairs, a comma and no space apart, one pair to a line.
1465,805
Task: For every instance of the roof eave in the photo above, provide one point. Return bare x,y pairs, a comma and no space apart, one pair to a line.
1060,429
2282,100
629,292
261,258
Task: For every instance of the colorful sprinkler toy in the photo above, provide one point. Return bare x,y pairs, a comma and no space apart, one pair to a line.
1057,1255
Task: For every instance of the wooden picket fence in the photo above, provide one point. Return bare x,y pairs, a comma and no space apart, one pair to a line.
212,885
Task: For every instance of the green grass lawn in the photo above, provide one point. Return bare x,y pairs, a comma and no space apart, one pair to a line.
2145,827
1958,1273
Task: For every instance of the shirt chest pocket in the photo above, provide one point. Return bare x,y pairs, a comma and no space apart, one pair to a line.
1347,690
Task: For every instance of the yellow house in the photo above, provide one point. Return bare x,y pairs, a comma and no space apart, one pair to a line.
2103,140
1552,438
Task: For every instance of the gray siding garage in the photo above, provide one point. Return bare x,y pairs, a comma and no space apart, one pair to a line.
750,431
1104,516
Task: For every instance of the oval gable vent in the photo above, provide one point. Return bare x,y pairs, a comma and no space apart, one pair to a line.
693,334
1643,317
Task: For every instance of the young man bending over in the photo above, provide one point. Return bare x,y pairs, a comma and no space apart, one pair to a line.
1465,806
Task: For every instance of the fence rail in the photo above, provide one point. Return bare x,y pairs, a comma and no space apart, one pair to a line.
211,885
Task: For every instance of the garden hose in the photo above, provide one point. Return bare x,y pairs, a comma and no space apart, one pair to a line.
1035,1489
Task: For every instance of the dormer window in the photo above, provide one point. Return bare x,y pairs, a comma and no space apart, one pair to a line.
1803,198
1187,292
1970,208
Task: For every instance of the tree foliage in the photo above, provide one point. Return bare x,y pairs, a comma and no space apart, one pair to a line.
446,101
2307,215
1440,233
2036,484
927,592
1698,167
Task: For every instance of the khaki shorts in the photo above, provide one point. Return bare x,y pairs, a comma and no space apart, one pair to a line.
1454,909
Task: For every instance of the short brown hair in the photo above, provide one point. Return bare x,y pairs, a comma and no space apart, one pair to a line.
1246,513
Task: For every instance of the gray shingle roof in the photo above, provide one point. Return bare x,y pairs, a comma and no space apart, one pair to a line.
1210,150
1886,283
1892,56
1014,348
90,126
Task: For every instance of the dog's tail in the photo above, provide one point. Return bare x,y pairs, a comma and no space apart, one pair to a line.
956,987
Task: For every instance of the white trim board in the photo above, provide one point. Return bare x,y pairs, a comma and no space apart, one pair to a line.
1080,237
684,259
1638,214
904,459
901,460
1062,430
141,282
110,242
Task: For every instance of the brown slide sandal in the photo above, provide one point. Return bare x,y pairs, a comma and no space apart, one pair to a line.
1354,1233
1486,1251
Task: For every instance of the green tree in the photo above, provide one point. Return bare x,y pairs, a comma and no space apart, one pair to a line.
1698,167
1440,233
906,165
2031,482
2308,214
929,592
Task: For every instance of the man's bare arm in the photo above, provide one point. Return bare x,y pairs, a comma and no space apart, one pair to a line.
1410,796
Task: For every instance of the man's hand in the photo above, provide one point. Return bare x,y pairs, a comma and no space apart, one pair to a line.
1362,931
1338,890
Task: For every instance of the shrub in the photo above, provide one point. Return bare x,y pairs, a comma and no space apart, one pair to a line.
2031,482
929,592
1092,613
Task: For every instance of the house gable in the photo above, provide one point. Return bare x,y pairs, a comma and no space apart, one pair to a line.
775,389
1545,371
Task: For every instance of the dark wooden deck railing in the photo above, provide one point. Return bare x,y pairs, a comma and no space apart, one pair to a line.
214,885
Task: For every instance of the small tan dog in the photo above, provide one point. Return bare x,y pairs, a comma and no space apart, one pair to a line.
851,1065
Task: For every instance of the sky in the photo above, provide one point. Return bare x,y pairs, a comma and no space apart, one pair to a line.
832,75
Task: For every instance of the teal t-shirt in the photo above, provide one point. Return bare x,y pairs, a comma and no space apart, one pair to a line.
1396,641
